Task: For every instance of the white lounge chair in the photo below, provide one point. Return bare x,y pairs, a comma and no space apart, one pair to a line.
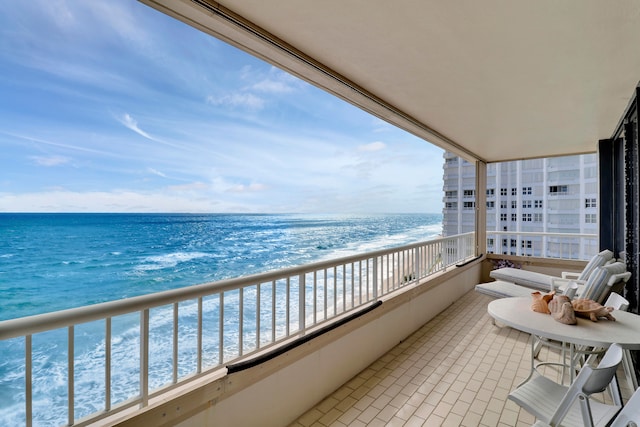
545,282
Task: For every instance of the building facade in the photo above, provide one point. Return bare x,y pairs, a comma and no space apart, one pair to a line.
531,205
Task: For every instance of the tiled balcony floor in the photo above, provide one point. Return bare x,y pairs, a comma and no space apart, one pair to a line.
456,370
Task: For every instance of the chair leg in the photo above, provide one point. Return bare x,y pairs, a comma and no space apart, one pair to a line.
627,364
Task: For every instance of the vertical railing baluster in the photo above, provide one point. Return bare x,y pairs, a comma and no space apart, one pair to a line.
288,306
344,287
258,313
107,364
273,310
325,293
374,279
199,337
144,358
175,342
221,329
315,296
28,379
359,282
302,301
353,284
70,373
335,290
241,322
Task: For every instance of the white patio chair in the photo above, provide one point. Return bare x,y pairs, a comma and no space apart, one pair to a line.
618,302
556,404
630,414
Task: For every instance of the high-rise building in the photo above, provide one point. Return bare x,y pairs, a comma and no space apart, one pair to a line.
526,199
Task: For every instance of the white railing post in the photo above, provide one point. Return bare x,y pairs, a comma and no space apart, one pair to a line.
144,358
302,301
70,373
374,278
107,364
28,379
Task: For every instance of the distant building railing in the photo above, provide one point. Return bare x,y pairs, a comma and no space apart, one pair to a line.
120,354
543,244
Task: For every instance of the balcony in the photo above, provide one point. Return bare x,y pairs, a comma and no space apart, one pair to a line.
456,370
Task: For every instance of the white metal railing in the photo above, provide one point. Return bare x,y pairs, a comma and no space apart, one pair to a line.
132,350
542,244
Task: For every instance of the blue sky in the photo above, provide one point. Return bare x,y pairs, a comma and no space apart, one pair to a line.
111,106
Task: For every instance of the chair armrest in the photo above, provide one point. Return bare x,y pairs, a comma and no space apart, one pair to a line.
567,287
570,275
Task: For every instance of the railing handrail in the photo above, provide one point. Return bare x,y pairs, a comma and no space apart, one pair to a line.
28,325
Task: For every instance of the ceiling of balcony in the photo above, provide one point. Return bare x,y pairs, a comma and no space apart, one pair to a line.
493,80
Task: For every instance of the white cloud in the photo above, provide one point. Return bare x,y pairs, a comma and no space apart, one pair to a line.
246,100
132,124
251,188
50,160
374,146
156,172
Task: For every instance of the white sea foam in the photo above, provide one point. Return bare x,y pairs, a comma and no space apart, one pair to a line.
170,260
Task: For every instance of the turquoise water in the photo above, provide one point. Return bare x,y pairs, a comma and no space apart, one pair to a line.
50,262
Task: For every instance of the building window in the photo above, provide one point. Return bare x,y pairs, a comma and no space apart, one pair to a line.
468,205
504,243
503,205
537,204
526,190
514,243
526,244
590,203
526,204
491,205
490,242
451,193
558,189
503,217
503,191
526,217
514,217
451,205
469,193
491,192
514,191
590,218
537,217
514,204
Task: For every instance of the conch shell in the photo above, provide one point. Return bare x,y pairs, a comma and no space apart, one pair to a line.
540,302
591,310
562,310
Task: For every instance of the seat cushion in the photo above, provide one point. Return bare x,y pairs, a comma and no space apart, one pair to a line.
531,279
500,289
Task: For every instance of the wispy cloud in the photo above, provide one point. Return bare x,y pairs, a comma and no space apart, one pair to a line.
374,146
156,172
132,124
50,160
251,188
238,100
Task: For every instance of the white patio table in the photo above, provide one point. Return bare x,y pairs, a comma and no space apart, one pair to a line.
516,312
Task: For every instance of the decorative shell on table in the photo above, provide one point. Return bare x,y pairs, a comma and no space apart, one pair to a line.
540,301
591,310
562,310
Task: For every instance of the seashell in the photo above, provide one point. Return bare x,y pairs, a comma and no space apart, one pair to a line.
555,305
591,310
565,314
540,302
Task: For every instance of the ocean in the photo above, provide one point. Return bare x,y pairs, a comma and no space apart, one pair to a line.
51,262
